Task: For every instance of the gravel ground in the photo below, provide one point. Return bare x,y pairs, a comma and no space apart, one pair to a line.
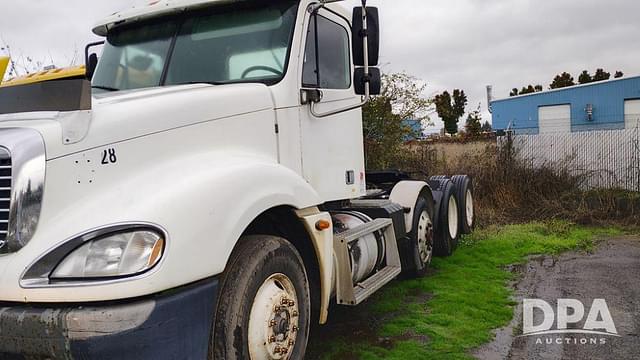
611,272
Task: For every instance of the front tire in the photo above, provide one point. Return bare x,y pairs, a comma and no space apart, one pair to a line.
263,310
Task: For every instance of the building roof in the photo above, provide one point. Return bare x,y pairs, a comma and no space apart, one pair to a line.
568,88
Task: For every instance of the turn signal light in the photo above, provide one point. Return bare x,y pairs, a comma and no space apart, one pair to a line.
322,225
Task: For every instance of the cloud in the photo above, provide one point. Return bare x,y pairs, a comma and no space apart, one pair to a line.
464,44
469,44
54,30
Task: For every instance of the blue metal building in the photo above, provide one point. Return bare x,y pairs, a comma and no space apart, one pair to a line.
416,127
605,105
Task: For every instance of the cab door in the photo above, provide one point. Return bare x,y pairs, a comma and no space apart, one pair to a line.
332,147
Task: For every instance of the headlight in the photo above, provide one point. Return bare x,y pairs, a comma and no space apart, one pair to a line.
116,255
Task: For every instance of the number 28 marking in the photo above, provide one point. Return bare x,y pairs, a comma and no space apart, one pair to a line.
109,156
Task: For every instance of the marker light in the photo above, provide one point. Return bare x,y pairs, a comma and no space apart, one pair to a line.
322,225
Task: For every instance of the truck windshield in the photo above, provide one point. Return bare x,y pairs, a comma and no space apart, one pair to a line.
239,42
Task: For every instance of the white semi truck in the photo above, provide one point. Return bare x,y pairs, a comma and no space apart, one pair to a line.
205,195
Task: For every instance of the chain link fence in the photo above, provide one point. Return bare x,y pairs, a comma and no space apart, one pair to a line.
605,159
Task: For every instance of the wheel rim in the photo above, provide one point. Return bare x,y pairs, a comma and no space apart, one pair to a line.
453,217
425,238
274,319
470,214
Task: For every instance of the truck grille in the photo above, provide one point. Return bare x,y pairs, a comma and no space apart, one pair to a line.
5,193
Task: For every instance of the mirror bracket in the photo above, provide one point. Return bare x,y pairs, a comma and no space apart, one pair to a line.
90,60
309,96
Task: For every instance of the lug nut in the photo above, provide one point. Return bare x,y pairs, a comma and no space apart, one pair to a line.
295,328
272,323
291,342
291,303
284,301
272,339
294,313
277,350
277,308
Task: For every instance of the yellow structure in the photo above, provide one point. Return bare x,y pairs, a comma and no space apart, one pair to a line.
4,63
54,74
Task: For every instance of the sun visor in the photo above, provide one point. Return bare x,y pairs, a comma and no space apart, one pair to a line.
57,95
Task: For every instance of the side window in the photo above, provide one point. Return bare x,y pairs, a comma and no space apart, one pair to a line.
327,58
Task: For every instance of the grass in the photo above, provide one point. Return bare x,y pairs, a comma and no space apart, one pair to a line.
468,294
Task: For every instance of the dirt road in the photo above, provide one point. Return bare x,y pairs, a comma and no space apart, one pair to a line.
612,273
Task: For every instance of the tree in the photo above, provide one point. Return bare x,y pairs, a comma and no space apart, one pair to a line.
384,128
601,75
585,77
473,125
527,90
618,74
486,127
451,108
563,80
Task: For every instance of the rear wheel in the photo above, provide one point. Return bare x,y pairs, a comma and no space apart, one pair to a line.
448,227
420,247
264,303
464,196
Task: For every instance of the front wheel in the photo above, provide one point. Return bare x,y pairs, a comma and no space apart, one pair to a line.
264,306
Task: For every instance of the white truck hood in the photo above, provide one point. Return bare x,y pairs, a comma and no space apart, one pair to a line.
121,116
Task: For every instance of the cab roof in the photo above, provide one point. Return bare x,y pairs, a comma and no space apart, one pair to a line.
157,8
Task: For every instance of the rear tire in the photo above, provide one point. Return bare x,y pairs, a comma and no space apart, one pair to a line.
464,196
263,304
447,232
420,245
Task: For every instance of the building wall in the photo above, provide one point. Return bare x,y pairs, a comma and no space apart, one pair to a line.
607,98
441,155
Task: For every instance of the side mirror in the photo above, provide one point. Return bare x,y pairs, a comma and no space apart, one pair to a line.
92,63
373,34
374,79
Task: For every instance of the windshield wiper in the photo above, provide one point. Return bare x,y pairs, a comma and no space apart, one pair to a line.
242,81
106,88
201,82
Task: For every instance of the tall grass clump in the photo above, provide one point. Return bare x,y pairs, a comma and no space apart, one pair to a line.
510,188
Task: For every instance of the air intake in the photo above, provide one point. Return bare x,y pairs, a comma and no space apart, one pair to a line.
22,174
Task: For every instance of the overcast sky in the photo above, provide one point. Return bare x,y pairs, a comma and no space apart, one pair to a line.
464,44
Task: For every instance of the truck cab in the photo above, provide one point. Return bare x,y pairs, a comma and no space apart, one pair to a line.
205,195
